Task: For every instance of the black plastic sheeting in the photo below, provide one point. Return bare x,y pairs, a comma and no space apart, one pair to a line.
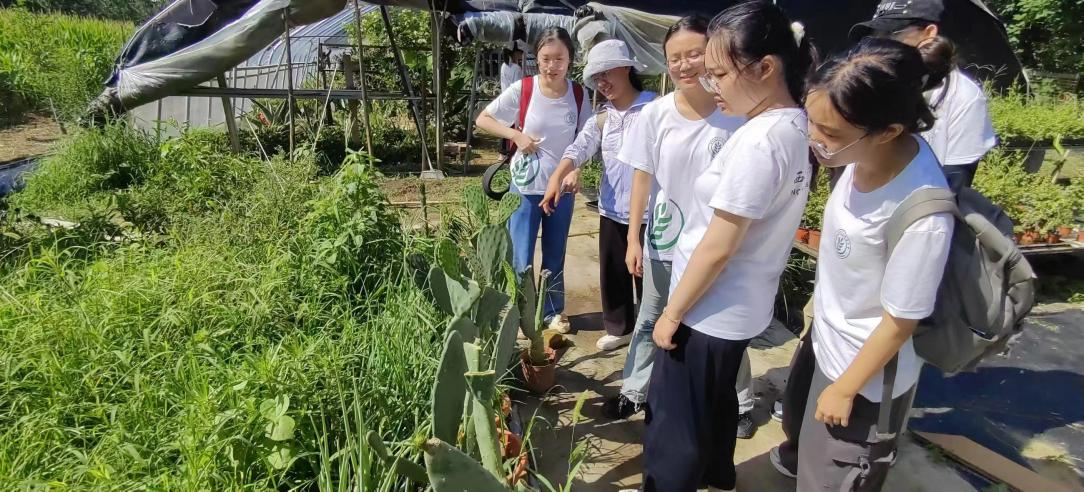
180,25
1032,398
982,43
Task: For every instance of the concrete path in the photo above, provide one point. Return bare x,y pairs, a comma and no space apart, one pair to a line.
614,461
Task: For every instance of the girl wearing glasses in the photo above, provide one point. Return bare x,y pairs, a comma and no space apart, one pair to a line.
866,109
611,71
740,216
553,118
678,133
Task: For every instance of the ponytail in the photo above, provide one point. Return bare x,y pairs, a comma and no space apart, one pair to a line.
939,56
756,29
799,70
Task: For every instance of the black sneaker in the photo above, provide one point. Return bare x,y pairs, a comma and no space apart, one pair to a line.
620,407
746,426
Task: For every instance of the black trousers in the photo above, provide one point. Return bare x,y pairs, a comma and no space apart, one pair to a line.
692,414
802,367
620,289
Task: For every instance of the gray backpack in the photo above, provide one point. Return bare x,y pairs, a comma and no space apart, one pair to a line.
987,289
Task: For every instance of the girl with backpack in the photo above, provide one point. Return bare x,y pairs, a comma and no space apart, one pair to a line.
866,111
673,131
739,213
548,110
611,71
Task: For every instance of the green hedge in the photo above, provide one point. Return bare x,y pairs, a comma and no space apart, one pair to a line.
1020,120
50,56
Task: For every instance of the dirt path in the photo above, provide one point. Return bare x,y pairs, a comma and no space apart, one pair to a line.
34,137
614,461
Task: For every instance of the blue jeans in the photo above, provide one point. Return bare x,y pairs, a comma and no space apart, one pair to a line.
637,371
523,227
641,354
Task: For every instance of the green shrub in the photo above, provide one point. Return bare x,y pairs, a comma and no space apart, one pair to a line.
85,167
246,347
1032,201
1020,120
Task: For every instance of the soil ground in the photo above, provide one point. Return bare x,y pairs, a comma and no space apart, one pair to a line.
36,136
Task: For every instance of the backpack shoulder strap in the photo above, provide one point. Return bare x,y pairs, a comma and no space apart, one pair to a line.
526,91
577,93
919,204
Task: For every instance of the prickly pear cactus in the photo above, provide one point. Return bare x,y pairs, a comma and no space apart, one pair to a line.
450,295
465,327
451,470
449,389
494,247
477,205
487,309
506,341
507,206
447,258
482,387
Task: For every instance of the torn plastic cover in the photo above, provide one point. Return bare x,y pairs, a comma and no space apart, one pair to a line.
501,27
168,55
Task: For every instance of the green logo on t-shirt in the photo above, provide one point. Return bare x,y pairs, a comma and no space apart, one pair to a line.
664,234
524,169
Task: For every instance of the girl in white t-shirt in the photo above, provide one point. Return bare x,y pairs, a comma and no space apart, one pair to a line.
553,118
610,70
739,214
866,109
678,133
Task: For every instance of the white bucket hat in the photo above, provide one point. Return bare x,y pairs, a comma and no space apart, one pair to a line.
606,55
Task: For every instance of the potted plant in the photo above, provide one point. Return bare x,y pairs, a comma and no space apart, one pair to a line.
539,361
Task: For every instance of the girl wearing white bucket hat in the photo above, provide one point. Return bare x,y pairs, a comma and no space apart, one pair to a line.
611,71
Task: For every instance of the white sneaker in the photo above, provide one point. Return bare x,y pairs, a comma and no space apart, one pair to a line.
777,462
610,342
560,323
717,489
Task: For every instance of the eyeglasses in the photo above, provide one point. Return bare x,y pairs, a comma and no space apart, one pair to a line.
707,81
819,147
693,59
548,61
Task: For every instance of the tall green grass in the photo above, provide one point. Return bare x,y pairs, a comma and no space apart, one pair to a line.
52,57
243,335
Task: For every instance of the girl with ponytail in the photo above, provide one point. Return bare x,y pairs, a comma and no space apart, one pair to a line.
963,132
866,111
739,218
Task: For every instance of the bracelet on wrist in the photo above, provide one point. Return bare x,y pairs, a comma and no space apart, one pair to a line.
666,314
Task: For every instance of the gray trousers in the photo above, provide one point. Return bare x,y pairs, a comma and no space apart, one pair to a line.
637,371
847,458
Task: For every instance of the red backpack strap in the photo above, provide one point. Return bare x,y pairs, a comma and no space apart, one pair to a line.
526,90
577,92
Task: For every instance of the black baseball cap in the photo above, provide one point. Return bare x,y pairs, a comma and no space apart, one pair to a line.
893,15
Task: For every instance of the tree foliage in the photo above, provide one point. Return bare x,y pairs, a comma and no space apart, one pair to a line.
1045,33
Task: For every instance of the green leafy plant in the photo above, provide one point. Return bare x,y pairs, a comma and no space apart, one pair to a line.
818,197
54,61
1021,120
1030,200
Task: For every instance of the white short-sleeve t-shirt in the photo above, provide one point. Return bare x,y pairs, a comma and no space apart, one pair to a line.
675,150
857,281
762,173
553,121
962,132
